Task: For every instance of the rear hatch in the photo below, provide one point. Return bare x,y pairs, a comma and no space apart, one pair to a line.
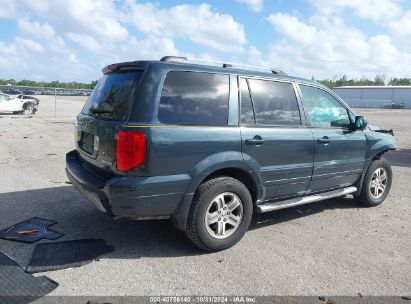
105,111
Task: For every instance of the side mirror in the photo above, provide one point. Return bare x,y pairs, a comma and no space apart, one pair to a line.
360,123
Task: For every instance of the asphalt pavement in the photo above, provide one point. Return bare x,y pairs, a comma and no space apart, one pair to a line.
334,247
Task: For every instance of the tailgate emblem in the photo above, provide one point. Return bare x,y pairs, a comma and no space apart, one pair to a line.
106,162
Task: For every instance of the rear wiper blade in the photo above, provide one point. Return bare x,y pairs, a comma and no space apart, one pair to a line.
100,111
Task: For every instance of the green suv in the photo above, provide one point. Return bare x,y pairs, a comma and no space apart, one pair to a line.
206,144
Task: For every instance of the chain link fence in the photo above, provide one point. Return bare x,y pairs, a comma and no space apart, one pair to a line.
67,102
376,103
53,102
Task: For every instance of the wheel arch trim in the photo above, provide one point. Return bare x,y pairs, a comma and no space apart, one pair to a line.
375,155
180,215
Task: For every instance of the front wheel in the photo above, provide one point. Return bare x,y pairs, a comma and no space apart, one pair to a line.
220,214
377,183
30,109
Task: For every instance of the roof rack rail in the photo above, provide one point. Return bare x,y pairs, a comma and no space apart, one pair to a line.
180,59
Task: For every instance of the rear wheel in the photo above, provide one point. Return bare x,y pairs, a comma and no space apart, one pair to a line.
377,183
220,214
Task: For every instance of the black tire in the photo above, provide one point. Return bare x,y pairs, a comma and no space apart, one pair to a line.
29,108
366,198
196,229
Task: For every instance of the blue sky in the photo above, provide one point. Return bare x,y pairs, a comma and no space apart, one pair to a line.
72,40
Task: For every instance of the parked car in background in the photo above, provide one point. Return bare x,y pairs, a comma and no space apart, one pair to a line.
26,98
10,91
393,105
208,144
18,105
28,92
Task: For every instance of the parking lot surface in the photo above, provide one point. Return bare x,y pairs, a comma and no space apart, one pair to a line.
332,247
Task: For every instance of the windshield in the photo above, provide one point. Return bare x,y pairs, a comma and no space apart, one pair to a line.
4,97
113,95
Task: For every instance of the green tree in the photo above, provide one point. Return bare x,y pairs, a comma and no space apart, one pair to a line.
400,81
380,79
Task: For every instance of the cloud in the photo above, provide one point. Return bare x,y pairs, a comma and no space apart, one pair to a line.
376,10
150,47
7,9
45,34
110,31
254,5
401,28
28,45
36,29
72,40
194,22
86,41
92,27
293,28
327,46
40,54
99,18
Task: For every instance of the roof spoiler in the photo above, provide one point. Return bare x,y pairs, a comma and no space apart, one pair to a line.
133,65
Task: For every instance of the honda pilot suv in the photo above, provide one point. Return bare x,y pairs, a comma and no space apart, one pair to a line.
207,144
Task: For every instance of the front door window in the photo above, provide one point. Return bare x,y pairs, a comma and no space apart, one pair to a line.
323,110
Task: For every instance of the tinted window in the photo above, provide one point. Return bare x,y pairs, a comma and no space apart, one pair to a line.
194,98
323,110
113,95
247,113
274,103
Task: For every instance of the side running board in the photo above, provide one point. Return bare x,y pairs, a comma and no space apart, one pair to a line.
266,207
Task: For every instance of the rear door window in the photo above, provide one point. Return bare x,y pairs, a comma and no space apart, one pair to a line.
113,96
194,98
274,103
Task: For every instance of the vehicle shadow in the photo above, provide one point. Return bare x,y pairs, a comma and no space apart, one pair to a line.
400,158
261,220
78,219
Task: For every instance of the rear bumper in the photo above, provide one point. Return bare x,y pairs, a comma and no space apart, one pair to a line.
91,186
137,197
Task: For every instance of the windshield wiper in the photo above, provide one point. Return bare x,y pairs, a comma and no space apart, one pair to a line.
100,111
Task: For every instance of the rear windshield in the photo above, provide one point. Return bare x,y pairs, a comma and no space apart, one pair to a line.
113,96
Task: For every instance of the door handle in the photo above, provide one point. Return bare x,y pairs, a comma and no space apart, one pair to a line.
324,140
255,141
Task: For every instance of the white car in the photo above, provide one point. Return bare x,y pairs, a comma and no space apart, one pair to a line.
27,98
17,105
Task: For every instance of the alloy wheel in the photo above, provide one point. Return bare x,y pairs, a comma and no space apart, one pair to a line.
224,215
378,183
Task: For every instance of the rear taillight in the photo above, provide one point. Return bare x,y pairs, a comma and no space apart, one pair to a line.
130,149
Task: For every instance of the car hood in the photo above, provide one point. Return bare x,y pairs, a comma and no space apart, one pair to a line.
379,141
375,128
